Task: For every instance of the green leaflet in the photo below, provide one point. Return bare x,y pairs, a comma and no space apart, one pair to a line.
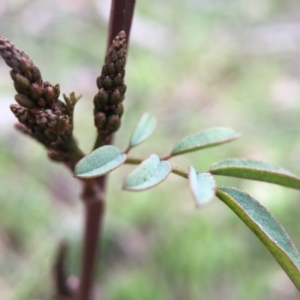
266,228
100,162
203,187
208,138
143,130
149,173
256,170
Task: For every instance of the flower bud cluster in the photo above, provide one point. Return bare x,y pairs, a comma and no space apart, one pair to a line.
38,108
46,125
32,91
108,107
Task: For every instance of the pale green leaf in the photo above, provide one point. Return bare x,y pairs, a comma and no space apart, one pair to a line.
149,173
203,187
100,162
143,130
256,170
208,138
266,228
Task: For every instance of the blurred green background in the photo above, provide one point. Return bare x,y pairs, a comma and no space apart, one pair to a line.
193,64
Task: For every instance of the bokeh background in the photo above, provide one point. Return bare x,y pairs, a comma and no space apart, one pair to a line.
193,64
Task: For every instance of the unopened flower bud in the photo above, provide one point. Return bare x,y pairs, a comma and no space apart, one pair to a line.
104,70
49,95
22,81
13,74
122,73
102,97
100,120
113,123
115,97
119,109
36,74
99,82
122,88
111,68
107,82
36,91
119,65
118,80
24,101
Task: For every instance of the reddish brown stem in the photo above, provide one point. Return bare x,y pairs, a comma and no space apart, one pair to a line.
94,204
121,14
94,189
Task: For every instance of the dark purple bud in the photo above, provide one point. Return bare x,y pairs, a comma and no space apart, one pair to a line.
25,64
104,70
111,68
49,95
36,91
22,81
119,65
122,88
113,123
119,109
118,80
115,97
100,82
13,74
102,97
107,82
100,120
97,103
36,75
24,101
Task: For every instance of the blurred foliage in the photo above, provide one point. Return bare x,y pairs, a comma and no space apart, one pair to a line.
194,65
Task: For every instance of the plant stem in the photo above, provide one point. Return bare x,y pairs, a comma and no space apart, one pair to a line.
121,14
94,204
94,189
